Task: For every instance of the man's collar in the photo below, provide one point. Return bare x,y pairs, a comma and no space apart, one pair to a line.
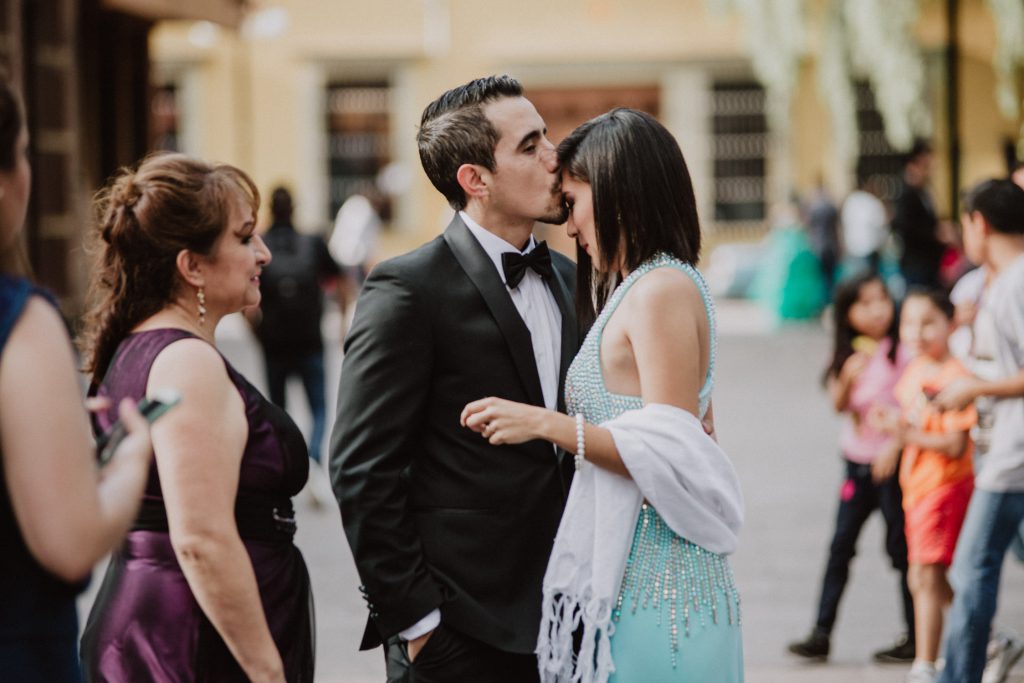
492,244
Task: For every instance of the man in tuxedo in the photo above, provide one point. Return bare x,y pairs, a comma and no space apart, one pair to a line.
450,534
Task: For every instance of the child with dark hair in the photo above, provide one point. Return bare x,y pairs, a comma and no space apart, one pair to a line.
994,237
866,363
936,473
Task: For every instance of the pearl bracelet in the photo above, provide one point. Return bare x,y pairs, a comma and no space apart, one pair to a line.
581,450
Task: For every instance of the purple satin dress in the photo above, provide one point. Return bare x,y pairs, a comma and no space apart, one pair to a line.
145,624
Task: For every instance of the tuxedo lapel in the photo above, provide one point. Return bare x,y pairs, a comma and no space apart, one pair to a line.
480,269
570,340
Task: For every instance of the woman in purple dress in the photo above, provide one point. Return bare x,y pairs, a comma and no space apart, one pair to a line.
208,585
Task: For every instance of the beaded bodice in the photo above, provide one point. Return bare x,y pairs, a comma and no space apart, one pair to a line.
585,390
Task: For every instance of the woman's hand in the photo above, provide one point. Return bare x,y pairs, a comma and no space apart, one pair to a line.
136,447
503,422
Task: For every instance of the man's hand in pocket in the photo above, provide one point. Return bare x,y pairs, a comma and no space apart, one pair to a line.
417,644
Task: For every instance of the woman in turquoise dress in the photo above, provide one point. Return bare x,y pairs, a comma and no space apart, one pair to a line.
639,565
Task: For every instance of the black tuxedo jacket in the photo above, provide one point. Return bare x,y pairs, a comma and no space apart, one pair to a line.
436,516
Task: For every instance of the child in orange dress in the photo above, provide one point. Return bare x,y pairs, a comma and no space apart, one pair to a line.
936,472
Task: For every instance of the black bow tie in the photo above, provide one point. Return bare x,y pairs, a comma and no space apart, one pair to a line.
515,265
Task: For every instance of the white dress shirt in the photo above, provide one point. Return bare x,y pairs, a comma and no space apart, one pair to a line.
539,310
537,306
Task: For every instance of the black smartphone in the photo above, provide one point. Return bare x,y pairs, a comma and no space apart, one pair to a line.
151,408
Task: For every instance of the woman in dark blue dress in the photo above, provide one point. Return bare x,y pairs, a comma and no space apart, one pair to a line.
57,517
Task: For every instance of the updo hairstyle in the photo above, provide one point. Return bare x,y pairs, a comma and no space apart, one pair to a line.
144,218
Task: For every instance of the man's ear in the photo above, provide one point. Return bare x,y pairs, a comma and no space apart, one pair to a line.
190,269
474,180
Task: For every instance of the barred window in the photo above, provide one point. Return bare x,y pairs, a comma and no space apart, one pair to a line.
163,118
740,135
358,129
878,163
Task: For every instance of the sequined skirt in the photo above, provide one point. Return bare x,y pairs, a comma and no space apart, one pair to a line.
678,613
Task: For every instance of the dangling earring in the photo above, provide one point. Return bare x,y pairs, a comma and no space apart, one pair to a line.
201,295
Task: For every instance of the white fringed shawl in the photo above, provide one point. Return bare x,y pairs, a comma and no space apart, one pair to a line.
684,475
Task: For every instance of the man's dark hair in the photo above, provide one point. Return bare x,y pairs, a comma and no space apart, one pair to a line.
454,131
919,149
1000,202
281,205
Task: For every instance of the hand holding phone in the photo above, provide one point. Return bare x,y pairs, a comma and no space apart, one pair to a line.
151,408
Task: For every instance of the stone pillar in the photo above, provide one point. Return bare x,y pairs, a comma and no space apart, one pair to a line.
51,75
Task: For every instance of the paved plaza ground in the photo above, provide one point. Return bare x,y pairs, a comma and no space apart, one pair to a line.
774,421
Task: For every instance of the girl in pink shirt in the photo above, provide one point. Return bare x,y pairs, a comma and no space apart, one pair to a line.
866,363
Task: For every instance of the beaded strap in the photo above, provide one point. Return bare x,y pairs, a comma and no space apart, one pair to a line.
660,260
581,443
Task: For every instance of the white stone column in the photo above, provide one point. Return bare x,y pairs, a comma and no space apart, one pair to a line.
311,189
686,112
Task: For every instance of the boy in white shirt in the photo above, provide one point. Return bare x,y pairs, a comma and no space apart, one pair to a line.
994,237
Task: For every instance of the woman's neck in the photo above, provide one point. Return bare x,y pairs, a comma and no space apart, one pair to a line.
179,316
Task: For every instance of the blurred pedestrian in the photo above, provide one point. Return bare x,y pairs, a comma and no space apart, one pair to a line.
291,305
208,584
353,242
59,514
994,237
915,222
966,296
789,281
866,363
865,229
822,227
976,338
936,473
450,533
654,503
357,227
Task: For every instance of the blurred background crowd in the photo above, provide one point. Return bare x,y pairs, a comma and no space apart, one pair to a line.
777,105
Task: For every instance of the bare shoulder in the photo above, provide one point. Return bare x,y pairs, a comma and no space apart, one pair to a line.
38,339
665,290
212,408
190,364
40,322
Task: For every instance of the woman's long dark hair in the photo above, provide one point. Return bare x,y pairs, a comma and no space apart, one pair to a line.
643,199
846,296
13,259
